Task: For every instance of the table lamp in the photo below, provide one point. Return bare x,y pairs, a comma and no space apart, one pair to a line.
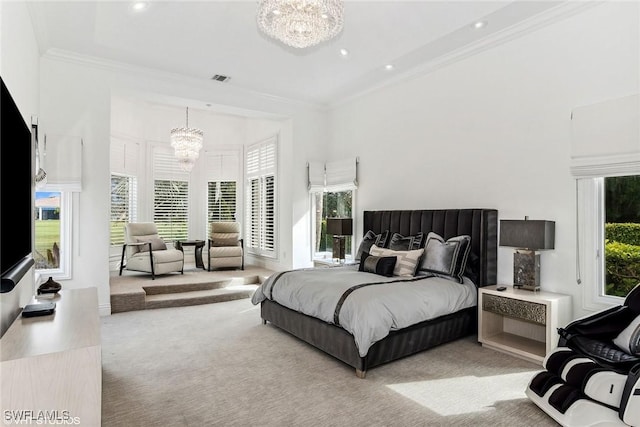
528,236
339,228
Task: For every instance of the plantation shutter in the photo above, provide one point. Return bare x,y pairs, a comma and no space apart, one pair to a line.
261,197
222,174
170,196
124,202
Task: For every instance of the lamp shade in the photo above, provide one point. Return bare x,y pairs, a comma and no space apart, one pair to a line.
527,234
340,226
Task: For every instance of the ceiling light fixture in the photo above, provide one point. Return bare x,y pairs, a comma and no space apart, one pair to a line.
301,23
139,5
388,67
187,143
479,25
344,52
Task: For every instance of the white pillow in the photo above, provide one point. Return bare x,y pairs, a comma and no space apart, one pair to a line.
629,339
407,262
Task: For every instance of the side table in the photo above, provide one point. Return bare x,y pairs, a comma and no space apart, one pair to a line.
199,244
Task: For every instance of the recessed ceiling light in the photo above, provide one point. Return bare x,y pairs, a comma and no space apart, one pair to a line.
388,67
344,52
479,24
139,5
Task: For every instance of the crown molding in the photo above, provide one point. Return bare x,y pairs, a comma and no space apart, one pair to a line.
550,16
62,55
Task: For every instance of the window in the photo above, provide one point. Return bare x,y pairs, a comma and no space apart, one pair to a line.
261,198
329,204
170,196
171,209
621,234
52,248
221,201
608,238
123,205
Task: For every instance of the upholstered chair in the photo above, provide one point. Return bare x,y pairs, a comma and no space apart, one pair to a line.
145,251
226,249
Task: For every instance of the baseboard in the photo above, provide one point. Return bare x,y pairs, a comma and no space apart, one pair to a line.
104,309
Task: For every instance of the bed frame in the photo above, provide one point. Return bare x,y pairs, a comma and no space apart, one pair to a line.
480,224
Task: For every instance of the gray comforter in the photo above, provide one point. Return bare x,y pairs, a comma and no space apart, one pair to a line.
366,305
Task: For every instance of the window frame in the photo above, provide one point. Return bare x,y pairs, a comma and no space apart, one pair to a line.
590,266
133,203
260,175
63,272
315,256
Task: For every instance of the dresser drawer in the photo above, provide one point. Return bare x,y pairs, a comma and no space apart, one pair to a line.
515,308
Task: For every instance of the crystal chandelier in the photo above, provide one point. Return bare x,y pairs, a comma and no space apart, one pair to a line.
301,23
187,143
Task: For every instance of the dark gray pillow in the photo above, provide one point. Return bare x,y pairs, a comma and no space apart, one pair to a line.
156,244
446,258
399,242
225,242
382,265
370,238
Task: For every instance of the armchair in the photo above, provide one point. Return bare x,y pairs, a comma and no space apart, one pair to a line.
225,247
145,251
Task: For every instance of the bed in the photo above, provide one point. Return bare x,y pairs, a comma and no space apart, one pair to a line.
333,320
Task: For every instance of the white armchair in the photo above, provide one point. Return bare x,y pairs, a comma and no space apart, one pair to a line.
145,251
225,245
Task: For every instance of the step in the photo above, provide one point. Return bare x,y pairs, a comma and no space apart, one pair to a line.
154,289
206,296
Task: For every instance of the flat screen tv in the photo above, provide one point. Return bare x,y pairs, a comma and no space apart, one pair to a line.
16,193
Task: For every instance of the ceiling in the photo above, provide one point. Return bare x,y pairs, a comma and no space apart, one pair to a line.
202,38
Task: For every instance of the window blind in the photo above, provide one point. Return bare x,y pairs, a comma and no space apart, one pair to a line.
170,195
605,138
124,202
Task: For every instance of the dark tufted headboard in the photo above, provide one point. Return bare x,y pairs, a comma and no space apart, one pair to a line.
480,224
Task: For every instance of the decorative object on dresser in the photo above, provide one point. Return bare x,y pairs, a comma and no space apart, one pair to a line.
528,236
339,228
49,287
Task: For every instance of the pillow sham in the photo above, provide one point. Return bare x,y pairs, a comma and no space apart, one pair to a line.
399,242
370,238
157,244
446,258
407,262
377,265
629,339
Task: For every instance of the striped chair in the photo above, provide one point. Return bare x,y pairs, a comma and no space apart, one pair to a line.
225,247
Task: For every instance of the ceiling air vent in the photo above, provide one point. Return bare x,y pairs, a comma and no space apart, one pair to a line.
220,78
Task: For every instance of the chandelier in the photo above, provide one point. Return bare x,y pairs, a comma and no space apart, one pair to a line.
300,23
187,143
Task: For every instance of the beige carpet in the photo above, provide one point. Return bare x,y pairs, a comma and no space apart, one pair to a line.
217,365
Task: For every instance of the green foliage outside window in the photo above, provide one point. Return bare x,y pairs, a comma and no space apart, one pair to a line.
622,234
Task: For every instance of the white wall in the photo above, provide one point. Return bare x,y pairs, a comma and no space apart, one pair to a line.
76,99
20,69
493,130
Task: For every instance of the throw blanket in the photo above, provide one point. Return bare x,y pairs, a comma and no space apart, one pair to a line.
366,305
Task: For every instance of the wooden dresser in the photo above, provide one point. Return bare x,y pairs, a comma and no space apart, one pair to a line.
51,366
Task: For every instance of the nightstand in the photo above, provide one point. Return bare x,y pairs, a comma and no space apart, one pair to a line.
521,323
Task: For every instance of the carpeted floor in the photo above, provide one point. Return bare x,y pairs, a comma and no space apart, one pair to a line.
217,365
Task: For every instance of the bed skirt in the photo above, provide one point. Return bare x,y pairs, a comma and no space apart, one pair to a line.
340,344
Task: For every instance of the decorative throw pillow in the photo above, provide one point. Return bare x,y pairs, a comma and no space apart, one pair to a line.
371,238
629,339
157,244
407,262
377,265
446,258
399,242
225,242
